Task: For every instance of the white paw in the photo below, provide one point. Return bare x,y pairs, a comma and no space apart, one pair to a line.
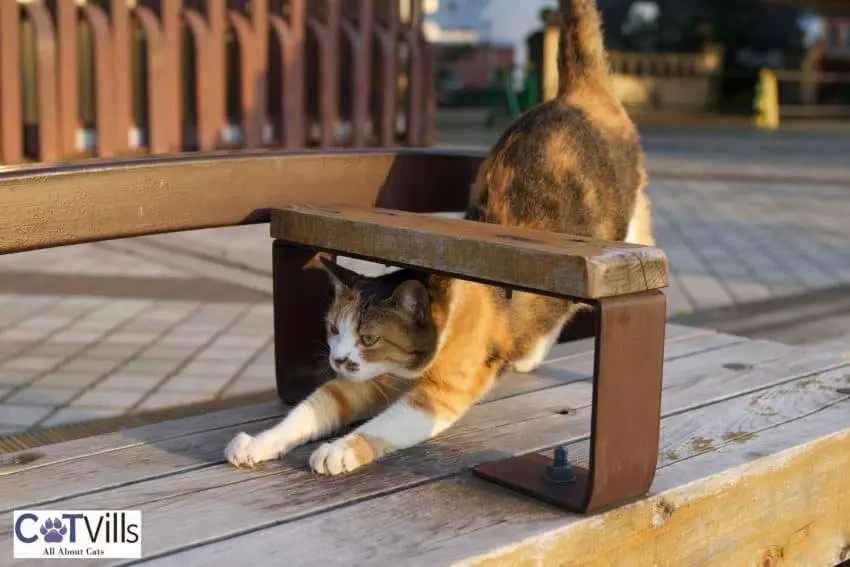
335,458
245,451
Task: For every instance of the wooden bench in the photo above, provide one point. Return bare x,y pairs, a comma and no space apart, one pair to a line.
620,281
748,455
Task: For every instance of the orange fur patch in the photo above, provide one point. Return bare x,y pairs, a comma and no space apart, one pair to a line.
362,448
335,389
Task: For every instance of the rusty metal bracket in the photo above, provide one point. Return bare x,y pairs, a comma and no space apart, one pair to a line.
625,418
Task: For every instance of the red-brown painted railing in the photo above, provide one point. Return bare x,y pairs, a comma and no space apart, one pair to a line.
168,76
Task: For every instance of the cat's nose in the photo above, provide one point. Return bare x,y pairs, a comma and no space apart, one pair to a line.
339,361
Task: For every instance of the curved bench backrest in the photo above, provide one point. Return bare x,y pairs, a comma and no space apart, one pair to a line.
46,206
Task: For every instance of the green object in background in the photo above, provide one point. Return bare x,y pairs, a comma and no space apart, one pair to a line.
505,97
510,94
531,92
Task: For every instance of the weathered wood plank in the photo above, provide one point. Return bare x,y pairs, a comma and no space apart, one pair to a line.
57,453
43,206
181,453
81,448
673,334
534,260
777,492
275,493
579,365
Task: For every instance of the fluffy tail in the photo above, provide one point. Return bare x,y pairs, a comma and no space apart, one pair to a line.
582,50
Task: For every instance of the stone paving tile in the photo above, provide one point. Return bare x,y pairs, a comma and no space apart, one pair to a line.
150,366
242,387
193,384
15,377
80,381
160,400
69,415
90,365
129,381
34,363
23,416
85,259
108,398
42,396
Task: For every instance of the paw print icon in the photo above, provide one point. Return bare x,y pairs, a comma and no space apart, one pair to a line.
53,530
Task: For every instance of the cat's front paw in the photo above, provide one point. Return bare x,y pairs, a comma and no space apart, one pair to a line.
342,456
245,451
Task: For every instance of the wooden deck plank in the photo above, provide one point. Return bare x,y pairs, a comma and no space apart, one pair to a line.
533,260
277,493
579,365
783,467
171,455
80,448
57,453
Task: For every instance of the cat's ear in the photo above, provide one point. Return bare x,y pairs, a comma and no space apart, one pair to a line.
343,279
412,297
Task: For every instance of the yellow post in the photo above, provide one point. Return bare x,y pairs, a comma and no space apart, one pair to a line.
766,104
551,34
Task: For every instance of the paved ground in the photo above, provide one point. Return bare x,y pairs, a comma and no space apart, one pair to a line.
89,332
105,329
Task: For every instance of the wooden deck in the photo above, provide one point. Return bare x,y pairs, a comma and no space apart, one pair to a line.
755,449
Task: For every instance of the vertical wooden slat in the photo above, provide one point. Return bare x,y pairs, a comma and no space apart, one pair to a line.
46,82
158,95
171,67
122,102
69,102
205,119
11,127
415,70
328,36
388,40
363,68
260,26
216,15
104,70
294,78
251,130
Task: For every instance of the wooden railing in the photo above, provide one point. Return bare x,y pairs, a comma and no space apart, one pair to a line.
123,77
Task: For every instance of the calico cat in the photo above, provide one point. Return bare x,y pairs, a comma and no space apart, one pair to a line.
412,351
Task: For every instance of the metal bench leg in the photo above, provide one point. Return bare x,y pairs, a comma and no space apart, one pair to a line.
301,296
625,421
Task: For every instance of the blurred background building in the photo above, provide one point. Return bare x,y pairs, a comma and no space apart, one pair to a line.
667,54
181,75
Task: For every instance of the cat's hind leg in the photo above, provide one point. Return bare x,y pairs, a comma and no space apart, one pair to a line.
540,350
331,407
640,225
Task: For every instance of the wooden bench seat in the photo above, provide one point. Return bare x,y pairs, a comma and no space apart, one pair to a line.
754,442
542,262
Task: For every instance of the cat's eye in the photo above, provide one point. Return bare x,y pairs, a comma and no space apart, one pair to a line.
369,340
333,329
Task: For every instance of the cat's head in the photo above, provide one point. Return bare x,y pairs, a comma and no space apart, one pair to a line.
380,325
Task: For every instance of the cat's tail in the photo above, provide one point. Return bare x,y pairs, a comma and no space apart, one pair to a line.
581,48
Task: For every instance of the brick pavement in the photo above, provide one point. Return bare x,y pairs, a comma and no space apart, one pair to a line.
148,338
107,329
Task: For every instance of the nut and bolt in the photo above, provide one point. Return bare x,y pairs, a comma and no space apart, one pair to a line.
560,471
